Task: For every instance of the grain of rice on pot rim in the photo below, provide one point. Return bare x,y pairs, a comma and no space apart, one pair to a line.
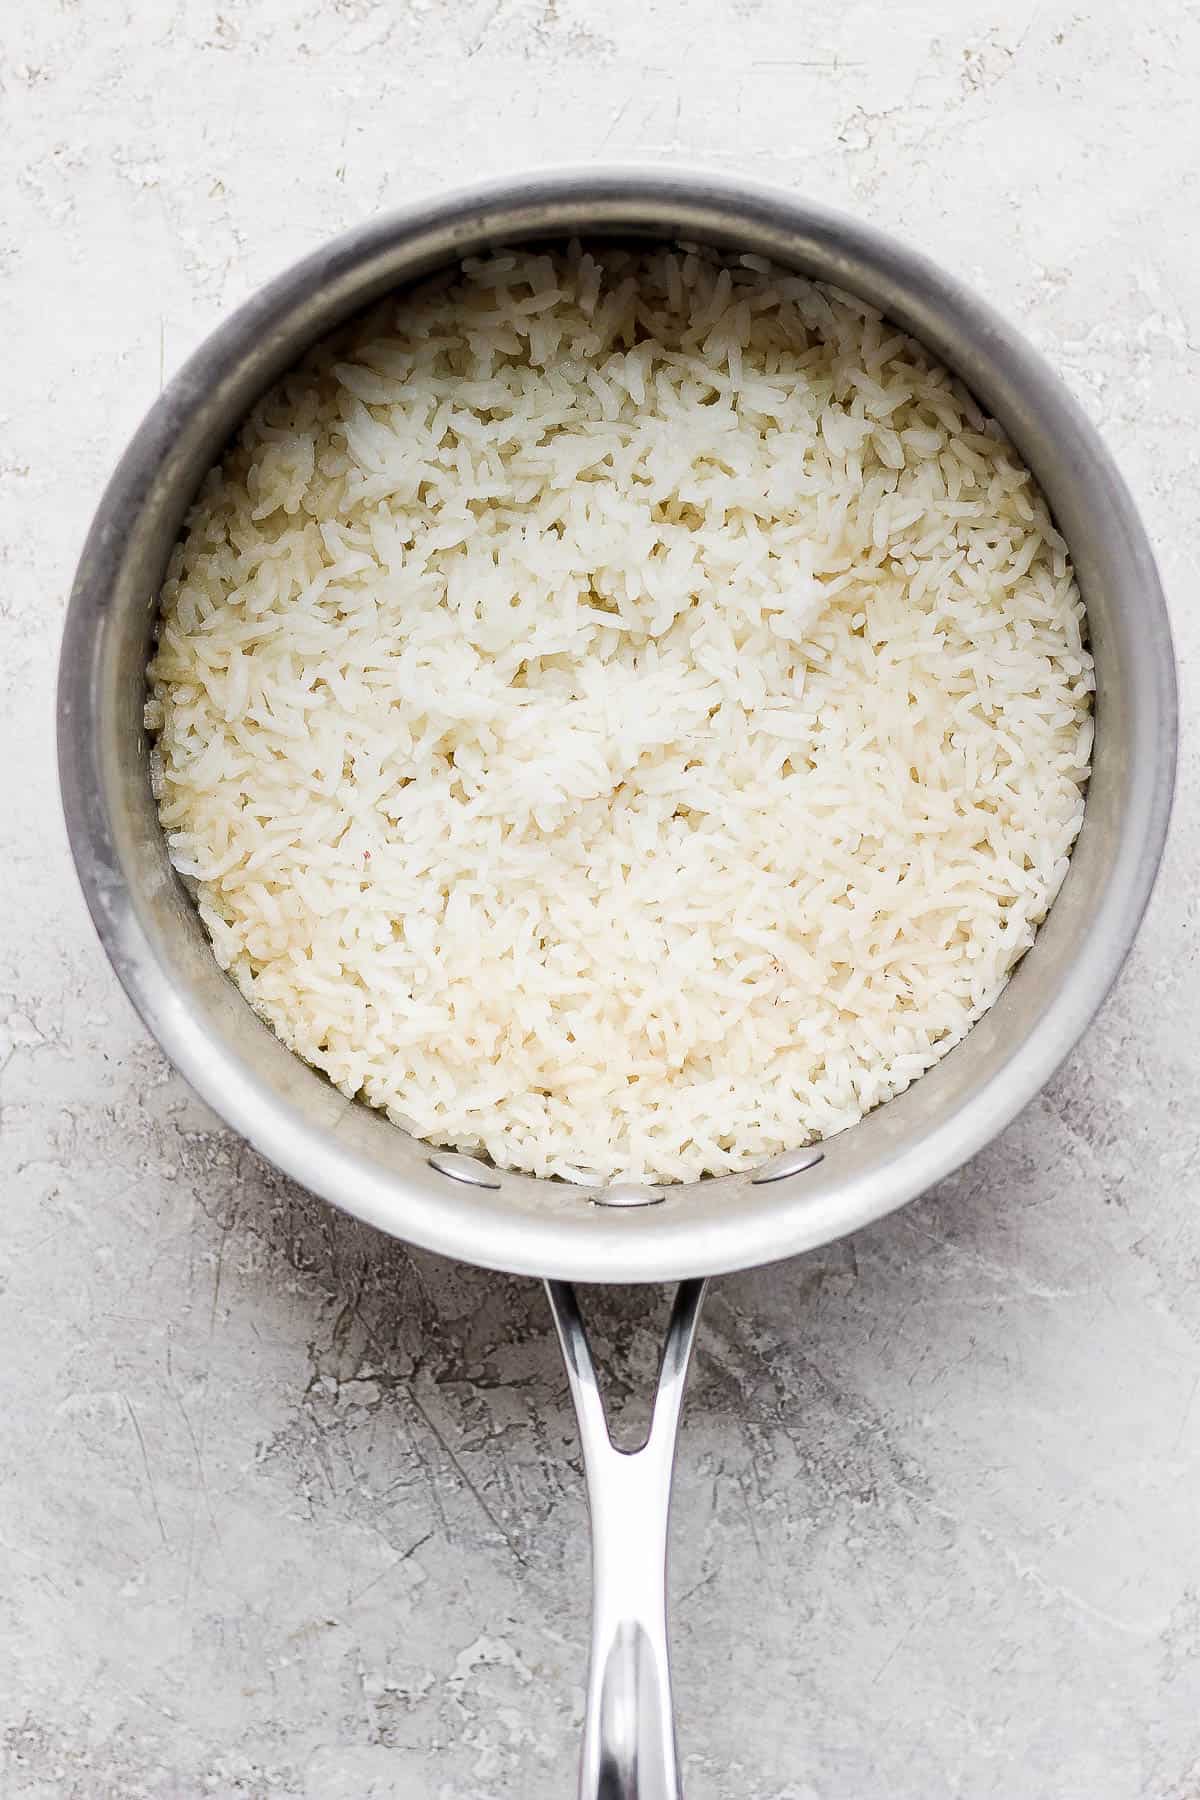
625,713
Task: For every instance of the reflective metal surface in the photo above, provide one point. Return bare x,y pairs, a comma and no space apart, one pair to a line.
353,1156
629,1728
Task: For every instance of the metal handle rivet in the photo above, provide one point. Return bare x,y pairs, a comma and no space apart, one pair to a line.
629,1193
464,1168
793,1162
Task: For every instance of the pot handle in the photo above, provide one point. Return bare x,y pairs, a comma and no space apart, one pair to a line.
629,1730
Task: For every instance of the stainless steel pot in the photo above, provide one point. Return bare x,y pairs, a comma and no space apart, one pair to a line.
354,1157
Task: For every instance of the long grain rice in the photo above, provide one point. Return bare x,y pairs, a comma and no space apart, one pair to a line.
623,713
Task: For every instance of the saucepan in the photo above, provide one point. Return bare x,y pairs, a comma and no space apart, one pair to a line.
566,1233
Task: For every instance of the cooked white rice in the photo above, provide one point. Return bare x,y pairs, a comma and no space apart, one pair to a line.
622,713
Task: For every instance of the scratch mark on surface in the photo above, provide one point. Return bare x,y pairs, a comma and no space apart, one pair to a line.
615,121
203,1489
1034,17
430,1473
1187,1413
226,1228
486,1510
133,1419
402,1558
704,1581
900,1642
831,64
485,28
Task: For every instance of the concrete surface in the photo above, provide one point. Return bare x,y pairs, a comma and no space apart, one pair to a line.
290,1511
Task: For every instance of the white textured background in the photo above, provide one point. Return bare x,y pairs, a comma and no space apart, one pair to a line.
289,1511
